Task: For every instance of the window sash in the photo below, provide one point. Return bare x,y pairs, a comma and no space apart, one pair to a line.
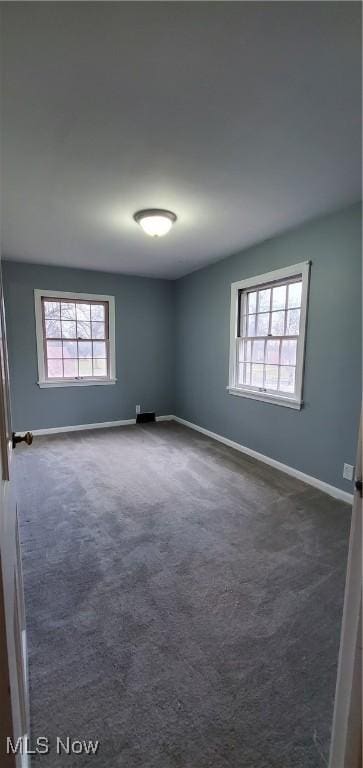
91,339
244,293
269,390
77,359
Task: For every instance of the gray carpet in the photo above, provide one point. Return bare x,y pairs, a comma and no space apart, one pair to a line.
183,602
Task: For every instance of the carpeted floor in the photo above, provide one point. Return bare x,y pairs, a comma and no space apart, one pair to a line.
183,602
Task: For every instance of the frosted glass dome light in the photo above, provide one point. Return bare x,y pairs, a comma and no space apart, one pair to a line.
155,222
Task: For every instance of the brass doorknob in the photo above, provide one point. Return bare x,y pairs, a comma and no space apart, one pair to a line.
27,438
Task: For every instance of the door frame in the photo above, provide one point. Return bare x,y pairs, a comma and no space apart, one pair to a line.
14,688
346,741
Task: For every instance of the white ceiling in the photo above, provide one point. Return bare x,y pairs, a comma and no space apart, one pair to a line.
243,118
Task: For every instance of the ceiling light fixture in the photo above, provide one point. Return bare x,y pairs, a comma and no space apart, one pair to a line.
155,221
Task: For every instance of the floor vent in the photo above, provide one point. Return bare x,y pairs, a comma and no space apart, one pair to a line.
142,418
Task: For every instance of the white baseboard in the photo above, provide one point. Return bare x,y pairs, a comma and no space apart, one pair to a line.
337,493
165,418
98,425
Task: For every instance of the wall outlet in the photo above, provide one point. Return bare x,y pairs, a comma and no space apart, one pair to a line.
138,409
348,471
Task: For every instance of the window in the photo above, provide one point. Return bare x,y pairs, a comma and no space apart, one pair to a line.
268,319
75,338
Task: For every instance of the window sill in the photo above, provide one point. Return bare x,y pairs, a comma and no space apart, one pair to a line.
75,383
265,397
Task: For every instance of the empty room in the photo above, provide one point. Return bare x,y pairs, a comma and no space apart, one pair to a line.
181,388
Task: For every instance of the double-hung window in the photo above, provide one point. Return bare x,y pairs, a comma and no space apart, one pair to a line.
267,342
75,338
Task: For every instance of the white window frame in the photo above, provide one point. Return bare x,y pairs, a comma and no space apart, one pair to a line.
295,400
70,295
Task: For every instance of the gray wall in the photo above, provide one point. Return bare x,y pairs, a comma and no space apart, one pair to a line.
144,348
320,437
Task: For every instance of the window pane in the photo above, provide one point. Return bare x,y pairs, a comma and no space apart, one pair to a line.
252,302
272,351
97,312
244,350
70,368
85,348
83,311
242,326
53,329
287,378
55,369
99,349
251,324
85,367
262,324
264,300
293,322
258,351
54,349
241,349
51,309
271,376
98,331
247,373
68,310
83,329
288,352
277,323
279,297
100,367
294,299
68,329
257,375
70,349
240,372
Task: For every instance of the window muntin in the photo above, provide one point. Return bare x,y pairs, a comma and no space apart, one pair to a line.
267,335
269,322
76,338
